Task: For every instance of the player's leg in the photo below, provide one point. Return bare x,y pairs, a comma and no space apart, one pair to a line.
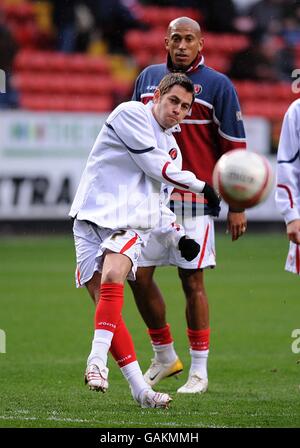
122,349
148,298
107,315
198,331
106,289
113,254
152,308
201,228
93,287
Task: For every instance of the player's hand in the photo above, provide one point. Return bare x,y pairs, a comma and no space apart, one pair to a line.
189,248
213,200
236,224
293,231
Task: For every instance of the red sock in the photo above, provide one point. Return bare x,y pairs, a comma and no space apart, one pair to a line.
199,339
109,308
161,336
122,347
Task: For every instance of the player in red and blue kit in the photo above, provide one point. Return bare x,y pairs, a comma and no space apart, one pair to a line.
213,127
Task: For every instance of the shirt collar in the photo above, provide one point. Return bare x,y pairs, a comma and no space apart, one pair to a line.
199,61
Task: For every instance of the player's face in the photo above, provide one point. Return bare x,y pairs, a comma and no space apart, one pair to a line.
183,44
171,108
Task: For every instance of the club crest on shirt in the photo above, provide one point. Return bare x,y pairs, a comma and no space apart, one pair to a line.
173,153
197,89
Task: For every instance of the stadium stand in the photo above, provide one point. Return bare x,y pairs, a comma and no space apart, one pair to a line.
52,80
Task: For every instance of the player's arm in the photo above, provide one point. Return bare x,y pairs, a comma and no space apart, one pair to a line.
231,134
288,168
135,131
293,231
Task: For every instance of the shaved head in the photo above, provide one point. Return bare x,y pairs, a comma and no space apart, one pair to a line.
184,22
183,42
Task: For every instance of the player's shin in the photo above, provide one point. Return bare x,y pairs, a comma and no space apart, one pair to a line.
122,349
199,349
107,316
163,345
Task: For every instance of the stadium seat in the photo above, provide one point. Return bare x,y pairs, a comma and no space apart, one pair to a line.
225,43
39,102
31,61
73,103
89,104
157,16
88,64
137,40
217,62
272,110
269,91
21,11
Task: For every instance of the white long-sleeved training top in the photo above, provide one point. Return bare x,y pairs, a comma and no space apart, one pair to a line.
121,186
288,165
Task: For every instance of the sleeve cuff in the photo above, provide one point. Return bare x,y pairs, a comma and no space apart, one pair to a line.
291,215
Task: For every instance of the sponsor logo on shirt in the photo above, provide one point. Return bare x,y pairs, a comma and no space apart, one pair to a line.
151,88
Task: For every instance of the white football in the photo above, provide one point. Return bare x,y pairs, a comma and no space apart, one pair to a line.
243,178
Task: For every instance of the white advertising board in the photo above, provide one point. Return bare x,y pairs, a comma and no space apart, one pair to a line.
42,156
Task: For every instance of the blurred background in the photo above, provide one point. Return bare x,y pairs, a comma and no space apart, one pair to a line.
65,64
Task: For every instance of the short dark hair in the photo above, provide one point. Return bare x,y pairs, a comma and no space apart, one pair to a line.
176,79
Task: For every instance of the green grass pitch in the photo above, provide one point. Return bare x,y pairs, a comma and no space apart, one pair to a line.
254,375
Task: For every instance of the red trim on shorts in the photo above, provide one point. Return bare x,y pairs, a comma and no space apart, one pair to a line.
203,246
78,276
285,187
164,173
129,244
297,259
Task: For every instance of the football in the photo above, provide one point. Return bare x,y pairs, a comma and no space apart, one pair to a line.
243,178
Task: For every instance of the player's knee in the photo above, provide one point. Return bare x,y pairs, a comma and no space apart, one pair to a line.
140,285
144,278
113,274
192,283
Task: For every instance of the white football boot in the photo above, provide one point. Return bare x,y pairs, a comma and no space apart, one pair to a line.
194,385
148,398
96,377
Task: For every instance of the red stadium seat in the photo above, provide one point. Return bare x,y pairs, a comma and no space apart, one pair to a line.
46,61
31,61
22,11
89,104
272,110
88,64
157,16
251,90
225,43
43,102
74,103
218,62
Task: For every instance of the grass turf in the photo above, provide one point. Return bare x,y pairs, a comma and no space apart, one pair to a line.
254,375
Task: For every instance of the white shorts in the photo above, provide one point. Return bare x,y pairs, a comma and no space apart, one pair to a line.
200,228
293,259
91,242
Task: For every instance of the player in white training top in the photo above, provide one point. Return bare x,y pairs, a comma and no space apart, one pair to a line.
119,200
288,182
